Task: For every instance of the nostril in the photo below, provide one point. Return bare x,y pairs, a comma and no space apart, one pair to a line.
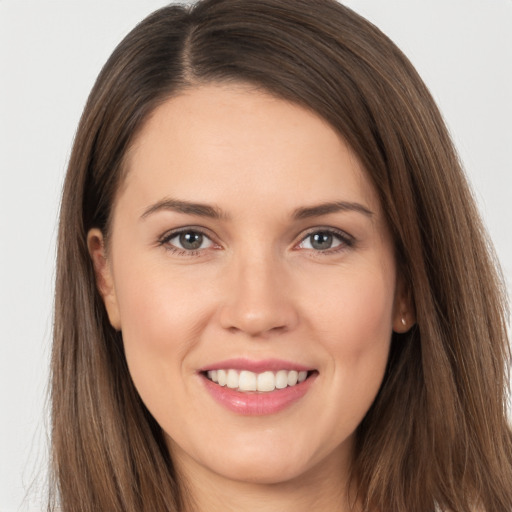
258,323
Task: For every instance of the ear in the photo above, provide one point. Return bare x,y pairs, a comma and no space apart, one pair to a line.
404,315
104,279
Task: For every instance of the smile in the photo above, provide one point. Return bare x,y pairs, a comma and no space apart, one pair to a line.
257,388
265,382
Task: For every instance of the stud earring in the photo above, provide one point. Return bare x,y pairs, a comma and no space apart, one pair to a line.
404,323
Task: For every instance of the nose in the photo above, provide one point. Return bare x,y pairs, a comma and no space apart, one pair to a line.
259,301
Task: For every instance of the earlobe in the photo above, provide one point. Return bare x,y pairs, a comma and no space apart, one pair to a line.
403,322
103,273
404,316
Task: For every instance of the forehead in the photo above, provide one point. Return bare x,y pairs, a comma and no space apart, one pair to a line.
223,138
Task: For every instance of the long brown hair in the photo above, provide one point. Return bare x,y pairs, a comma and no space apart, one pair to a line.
437,433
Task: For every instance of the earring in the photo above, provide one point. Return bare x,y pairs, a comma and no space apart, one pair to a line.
404,323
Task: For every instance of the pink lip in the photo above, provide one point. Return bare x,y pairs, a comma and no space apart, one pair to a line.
266,365
255,403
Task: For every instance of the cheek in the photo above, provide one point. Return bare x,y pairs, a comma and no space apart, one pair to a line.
161,319
356,309
356,321
158,307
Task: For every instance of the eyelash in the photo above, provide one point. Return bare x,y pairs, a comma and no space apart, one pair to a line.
346,241
165,239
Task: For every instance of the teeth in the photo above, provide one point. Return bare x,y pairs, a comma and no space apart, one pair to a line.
221,377
281,379
250,381
292,378
247,381
266,381
232,379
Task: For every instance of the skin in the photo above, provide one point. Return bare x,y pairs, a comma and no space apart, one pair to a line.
257,288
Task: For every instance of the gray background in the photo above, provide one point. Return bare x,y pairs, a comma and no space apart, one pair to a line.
50,54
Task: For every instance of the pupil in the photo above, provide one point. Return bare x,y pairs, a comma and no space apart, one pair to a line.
191,240
321,241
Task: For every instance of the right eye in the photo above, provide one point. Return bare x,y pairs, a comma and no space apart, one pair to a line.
186,241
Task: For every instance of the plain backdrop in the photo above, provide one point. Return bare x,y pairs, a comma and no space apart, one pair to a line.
50,54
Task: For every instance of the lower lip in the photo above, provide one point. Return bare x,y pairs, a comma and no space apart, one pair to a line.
258,403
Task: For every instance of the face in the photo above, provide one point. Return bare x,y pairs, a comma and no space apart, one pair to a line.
252,275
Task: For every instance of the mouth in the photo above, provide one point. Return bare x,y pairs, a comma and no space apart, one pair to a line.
257,388
246,381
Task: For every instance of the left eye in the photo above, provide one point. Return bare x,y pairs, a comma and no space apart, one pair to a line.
323,241
189,240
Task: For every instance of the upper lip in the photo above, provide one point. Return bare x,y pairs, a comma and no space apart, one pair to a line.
259,366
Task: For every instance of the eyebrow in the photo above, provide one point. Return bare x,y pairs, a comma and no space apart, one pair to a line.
214,212
203,210
331,207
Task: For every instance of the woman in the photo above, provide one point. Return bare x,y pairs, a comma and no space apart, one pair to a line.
273,287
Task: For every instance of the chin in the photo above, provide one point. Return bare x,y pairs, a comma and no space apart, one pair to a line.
269,471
